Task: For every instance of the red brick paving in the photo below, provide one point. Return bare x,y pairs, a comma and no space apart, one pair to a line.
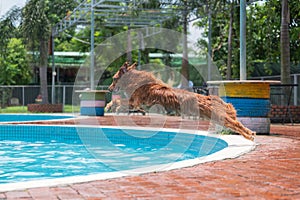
271,171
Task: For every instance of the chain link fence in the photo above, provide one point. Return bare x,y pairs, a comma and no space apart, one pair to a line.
22,95
278,96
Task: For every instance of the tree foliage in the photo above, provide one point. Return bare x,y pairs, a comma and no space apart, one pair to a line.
8,28
15,67
38,18
263,36
263,31
13,55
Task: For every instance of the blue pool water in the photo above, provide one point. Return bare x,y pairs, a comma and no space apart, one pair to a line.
30,117
44,152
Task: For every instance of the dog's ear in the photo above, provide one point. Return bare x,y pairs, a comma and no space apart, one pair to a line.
133,66
124,67
126,64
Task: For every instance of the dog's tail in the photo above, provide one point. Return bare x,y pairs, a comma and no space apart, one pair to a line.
222,113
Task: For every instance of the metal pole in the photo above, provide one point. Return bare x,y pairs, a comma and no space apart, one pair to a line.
64,97
243,71
53,70
140,35
23,96
129,46
92,67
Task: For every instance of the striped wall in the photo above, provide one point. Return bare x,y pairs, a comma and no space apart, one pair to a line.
251,101
249,107
92,103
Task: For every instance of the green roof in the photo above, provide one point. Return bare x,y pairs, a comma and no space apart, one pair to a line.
68,58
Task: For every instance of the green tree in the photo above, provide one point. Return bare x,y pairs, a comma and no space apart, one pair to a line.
38,17
223,34
294,33
36,28
230,37
13,56
15,67
263,36
185,11
8,28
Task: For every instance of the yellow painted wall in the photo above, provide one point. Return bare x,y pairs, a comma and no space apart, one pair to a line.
246,90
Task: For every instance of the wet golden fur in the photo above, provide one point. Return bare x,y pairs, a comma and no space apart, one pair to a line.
144,89
122,106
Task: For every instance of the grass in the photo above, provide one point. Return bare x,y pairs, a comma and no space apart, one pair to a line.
23,109
14,109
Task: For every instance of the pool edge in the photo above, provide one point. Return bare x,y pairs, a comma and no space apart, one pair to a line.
237,146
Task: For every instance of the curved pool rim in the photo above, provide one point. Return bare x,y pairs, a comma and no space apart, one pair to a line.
36,117
237,146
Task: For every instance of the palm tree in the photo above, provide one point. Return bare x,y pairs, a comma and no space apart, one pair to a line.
36,28
230,37
285,43
38,17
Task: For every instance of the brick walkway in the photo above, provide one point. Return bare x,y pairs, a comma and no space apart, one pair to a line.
271,171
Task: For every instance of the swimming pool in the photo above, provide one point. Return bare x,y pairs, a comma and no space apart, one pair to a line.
31,117
39,153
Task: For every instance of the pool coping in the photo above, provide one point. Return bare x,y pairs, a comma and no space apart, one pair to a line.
72,117
237,146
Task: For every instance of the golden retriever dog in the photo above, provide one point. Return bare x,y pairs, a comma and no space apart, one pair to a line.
143,88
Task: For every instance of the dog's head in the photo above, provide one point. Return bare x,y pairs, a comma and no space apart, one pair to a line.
123,69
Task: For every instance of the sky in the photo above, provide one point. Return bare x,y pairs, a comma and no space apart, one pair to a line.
6,5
